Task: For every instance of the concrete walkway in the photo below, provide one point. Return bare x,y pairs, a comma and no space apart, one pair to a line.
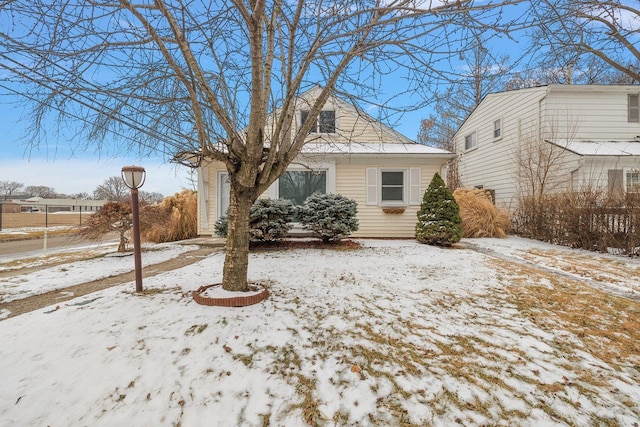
207,246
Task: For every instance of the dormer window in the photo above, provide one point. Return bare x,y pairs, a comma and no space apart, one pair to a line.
325,124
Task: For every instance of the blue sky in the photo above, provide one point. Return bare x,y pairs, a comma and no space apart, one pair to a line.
56,164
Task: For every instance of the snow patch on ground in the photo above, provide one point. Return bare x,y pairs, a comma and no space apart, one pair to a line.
394,332
49,279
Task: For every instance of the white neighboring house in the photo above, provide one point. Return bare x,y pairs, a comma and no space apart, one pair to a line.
349,153
589,133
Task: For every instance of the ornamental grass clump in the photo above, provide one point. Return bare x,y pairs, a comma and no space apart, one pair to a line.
329,217
439,221
480,217
173,219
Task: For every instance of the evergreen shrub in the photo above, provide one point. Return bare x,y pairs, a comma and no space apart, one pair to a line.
269,220
439,220
329,217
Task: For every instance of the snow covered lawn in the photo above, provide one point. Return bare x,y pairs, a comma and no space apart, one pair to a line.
395,333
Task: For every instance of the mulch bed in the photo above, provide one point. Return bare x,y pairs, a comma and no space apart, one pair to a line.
342,245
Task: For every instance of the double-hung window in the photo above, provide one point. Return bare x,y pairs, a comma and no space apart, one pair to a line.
497,129
326,122
396,187
392,188
470,141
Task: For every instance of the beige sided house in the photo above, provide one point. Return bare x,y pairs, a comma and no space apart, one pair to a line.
349,153
590,135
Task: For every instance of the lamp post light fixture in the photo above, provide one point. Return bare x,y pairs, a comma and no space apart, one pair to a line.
133,177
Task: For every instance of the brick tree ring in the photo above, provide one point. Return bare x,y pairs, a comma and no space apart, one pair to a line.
246,298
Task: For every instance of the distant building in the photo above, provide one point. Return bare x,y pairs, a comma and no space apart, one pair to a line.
37,204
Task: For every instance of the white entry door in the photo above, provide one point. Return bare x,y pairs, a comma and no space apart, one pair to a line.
224,188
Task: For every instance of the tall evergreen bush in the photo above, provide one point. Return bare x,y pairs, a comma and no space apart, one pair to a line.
439,220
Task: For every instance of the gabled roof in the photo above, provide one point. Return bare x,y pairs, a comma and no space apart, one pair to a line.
310,95
599,148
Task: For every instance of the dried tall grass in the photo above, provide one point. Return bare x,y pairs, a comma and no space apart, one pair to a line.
588,218
480,217
175,218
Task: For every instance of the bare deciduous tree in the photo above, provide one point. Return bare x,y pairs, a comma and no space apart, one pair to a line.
204,78
7,188
148,197
112,217
606,29
41,191
481,74
112,189
579,69
541,154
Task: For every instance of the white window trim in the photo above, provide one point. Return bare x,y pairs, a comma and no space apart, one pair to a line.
625,171
405,188
203,197
464,141
219,177
493,130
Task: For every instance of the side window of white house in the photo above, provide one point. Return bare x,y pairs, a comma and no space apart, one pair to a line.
470,141
632,180
634,108
325,124
393,187
497,129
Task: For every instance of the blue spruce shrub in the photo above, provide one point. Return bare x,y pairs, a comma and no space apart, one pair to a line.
221,226
329,217
269,220
439,221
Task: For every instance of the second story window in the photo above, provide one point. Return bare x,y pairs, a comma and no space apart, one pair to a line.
634,112
325,124
470,141
497,129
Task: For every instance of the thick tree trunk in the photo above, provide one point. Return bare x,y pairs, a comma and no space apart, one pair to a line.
236,260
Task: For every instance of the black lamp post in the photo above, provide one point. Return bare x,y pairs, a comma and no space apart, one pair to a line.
133,177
